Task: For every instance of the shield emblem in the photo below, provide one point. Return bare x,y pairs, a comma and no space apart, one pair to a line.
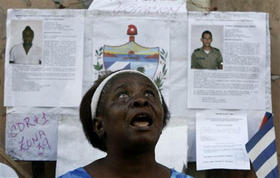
131,56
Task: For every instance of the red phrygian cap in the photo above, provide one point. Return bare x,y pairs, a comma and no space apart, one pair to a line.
132,30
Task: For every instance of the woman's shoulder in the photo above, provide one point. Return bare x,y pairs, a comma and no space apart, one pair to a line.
175,174
76,173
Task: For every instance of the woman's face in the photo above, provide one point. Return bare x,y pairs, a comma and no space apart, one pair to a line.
133,113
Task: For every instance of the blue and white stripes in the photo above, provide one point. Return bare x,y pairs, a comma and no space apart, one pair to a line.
262,151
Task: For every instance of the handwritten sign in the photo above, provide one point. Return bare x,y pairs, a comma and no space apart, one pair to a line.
31,136
161,7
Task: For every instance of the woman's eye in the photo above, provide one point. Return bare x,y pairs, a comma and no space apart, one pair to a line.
149,94
123,95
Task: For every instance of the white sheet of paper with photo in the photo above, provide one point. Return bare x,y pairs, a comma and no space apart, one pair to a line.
220,140
58,80
241,82
31,135
140,6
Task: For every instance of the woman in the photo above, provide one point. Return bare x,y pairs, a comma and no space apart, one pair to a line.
123,114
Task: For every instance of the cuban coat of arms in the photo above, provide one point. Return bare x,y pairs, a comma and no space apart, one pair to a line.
131,55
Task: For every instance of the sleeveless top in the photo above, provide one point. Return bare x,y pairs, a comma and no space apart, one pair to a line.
82,173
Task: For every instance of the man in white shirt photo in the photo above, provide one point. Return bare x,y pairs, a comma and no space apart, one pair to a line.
26,52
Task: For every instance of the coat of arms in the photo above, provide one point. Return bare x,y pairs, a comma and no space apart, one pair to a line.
131,55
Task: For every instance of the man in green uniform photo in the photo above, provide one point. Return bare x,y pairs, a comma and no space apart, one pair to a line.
207,57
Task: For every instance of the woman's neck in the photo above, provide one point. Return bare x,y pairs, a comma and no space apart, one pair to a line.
133,160
142,165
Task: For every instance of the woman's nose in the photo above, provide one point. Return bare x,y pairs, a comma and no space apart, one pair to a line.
140,102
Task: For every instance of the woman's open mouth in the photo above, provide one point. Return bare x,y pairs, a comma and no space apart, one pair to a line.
141,120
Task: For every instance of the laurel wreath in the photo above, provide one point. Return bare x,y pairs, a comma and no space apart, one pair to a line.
98,53
159,80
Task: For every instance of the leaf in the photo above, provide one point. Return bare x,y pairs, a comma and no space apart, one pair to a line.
158,82
95,67
159,86
164,72
98,66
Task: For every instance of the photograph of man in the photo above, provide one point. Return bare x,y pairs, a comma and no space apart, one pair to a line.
26,52
207,57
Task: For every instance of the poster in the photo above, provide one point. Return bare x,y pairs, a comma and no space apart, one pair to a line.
226,60
124,42
44,58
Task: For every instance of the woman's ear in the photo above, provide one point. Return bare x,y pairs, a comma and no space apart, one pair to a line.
98,126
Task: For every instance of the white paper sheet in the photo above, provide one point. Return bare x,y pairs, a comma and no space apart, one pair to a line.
73,149
107,35
31,135
161,7
172,147
241,39
57,81
220,140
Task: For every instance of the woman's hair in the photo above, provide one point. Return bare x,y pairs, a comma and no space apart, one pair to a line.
87,118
